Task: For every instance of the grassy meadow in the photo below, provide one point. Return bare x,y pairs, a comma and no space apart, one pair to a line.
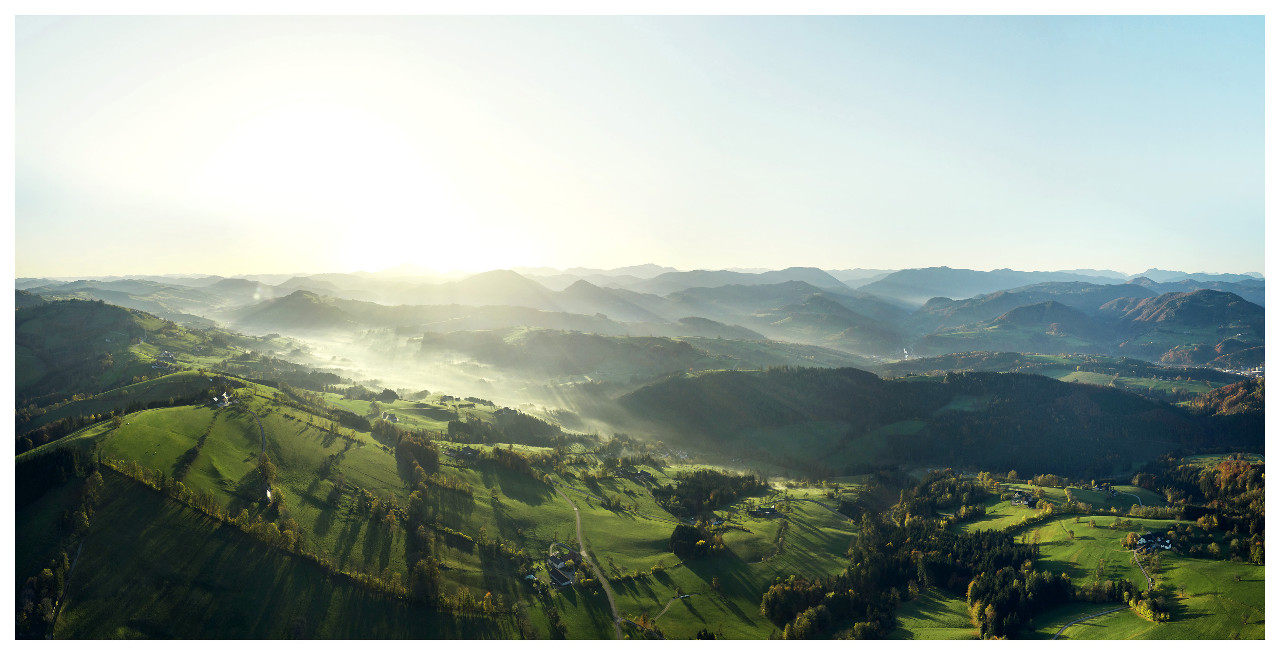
1209,602
151,568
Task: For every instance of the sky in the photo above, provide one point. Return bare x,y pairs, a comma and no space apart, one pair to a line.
207,144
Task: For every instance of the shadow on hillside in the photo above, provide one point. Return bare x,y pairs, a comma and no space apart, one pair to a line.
926,605
634,586
377,543
511,528
524,489
735,577
448,506
593,601
347,542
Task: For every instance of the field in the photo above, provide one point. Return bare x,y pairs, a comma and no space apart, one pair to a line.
813,545
1210,461
1215,605
934,614
179,574
153,569
174,385
1002,513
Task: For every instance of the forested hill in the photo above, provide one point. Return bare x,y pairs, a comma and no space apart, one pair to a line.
847,420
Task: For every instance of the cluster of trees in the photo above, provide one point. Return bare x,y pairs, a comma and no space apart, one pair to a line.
901,552
351,420
695,541
1152,605
1001,602
412,448
704,490
1228,496
40,595
279,371
54,430
942,490
509,459
359,392
510,427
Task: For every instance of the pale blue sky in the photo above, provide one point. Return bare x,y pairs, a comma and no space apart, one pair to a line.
222,145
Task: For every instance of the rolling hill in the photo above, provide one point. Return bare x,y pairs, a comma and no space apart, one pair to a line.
914,287
672,282
850,420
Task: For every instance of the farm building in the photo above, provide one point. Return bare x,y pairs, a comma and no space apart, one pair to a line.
1152,542
1024,498
560,578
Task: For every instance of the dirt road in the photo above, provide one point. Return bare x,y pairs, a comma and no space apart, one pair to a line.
1085,618
604,583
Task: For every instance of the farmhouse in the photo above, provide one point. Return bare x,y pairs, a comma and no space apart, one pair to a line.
560,578
465,452
1152,542
638,476
765,512
1023,498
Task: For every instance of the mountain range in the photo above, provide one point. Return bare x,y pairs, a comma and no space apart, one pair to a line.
920,312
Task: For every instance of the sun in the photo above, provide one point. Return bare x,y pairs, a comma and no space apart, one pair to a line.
325,160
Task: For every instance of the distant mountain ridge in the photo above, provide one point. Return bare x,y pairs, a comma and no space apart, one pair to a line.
912,288
800,305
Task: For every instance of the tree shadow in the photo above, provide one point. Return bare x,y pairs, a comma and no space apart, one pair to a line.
524,489
347,542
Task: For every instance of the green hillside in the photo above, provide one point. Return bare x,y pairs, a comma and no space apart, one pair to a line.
151,568
1004,421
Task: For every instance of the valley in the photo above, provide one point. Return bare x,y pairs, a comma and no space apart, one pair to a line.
304,463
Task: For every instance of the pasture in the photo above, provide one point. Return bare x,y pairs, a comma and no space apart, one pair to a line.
151,568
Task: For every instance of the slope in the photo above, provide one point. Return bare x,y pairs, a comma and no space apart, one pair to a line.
990,421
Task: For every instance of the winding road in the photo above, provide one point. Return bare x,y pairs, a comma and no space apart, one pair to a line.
1085,618
602,499
608,591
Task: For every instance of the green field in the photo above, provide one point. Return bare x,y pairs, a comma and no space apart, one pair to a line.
153,569
1210,461
814,545
1002,513
173,385
201,577
1215,605
934,614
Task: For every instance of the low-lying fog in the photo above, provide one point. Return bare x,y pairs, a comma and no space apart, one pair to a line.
380,359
